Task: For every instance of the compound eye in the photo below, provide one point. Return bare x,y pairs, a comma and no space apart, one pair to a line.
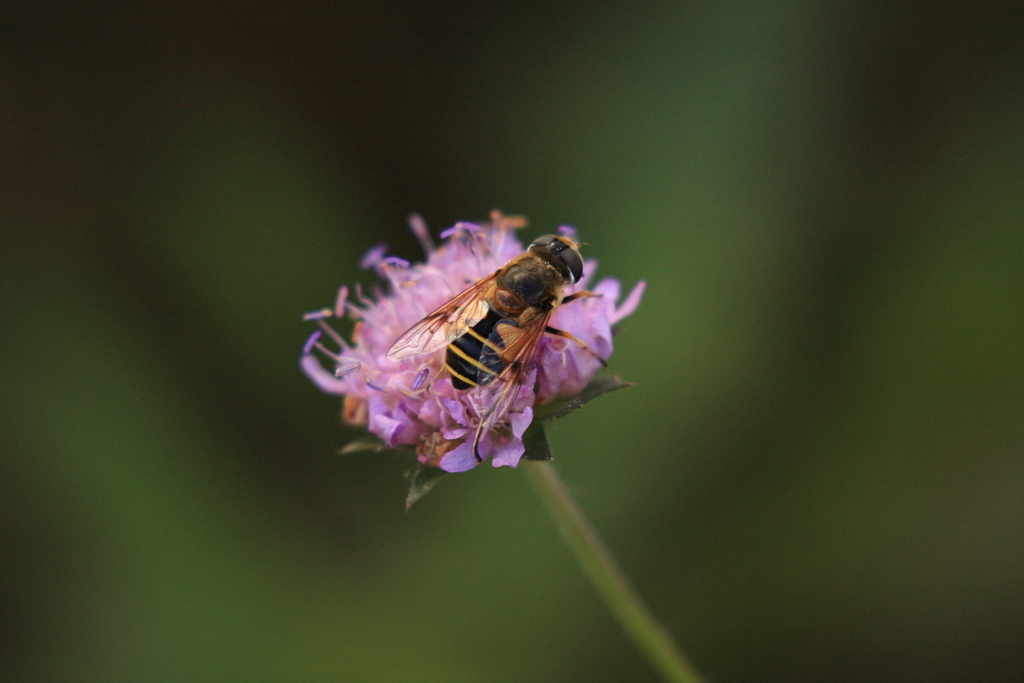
574,262
563,250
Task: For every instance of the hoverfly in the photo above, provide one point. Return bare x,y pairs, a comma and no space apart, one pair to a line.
493,329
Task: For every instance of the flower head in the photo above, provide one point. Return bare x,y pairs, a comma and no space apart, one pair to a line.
412,402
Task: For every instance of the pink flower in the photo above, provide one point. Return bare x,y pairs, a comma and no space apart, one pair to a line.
413,402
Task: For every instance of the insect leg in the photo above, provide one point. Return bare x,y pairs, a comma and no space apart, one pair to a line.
579,295
571,337
476,442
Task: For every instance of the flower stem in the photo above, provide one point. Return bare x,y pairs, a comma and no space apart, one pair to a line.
613,586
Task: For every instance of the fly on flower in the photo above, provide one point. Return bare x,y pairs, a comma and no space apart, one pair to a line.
493,329
510,341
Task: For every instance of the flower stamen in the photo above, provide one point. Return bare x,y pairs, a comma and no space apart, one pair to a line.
307,348
419,229
318,315
342,370
341,301
333,334
379,387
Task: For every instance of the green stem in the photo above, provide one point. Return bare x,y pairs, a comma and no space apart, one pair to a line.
627,606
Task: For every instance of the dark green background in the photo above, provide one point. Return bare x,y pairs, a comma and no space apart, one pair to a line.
817,477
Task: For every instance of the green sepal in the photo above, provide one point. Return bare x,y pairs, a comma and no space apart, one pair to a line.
535,438
559,407
421,479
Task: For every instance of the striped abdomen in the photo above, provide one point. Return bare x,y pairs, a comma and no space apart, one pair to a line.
463,356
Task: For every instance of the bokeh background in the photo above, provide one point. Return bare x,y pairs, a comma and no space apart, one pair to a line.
817,477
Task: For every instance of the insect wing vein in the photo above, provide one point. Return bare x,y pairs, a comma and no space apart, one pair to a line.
447,323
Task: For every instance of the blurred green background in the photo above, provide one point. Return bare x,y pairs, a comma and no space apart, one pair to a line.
817,477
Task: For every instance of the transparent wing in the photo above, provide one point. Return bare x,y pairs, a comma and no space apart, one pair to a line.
446,324
518,343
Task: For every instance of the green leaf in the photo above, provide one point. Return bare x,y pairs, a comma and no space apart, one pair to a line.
423,477
535,438
559,407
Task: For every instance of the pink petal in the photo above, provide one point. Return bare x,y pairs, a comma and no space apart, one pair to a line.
459,459
386,427
508,454
609,289
324,380
631,302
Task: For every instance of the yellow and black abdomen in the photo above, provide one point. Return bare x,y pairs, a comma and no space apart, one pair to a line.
463,358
